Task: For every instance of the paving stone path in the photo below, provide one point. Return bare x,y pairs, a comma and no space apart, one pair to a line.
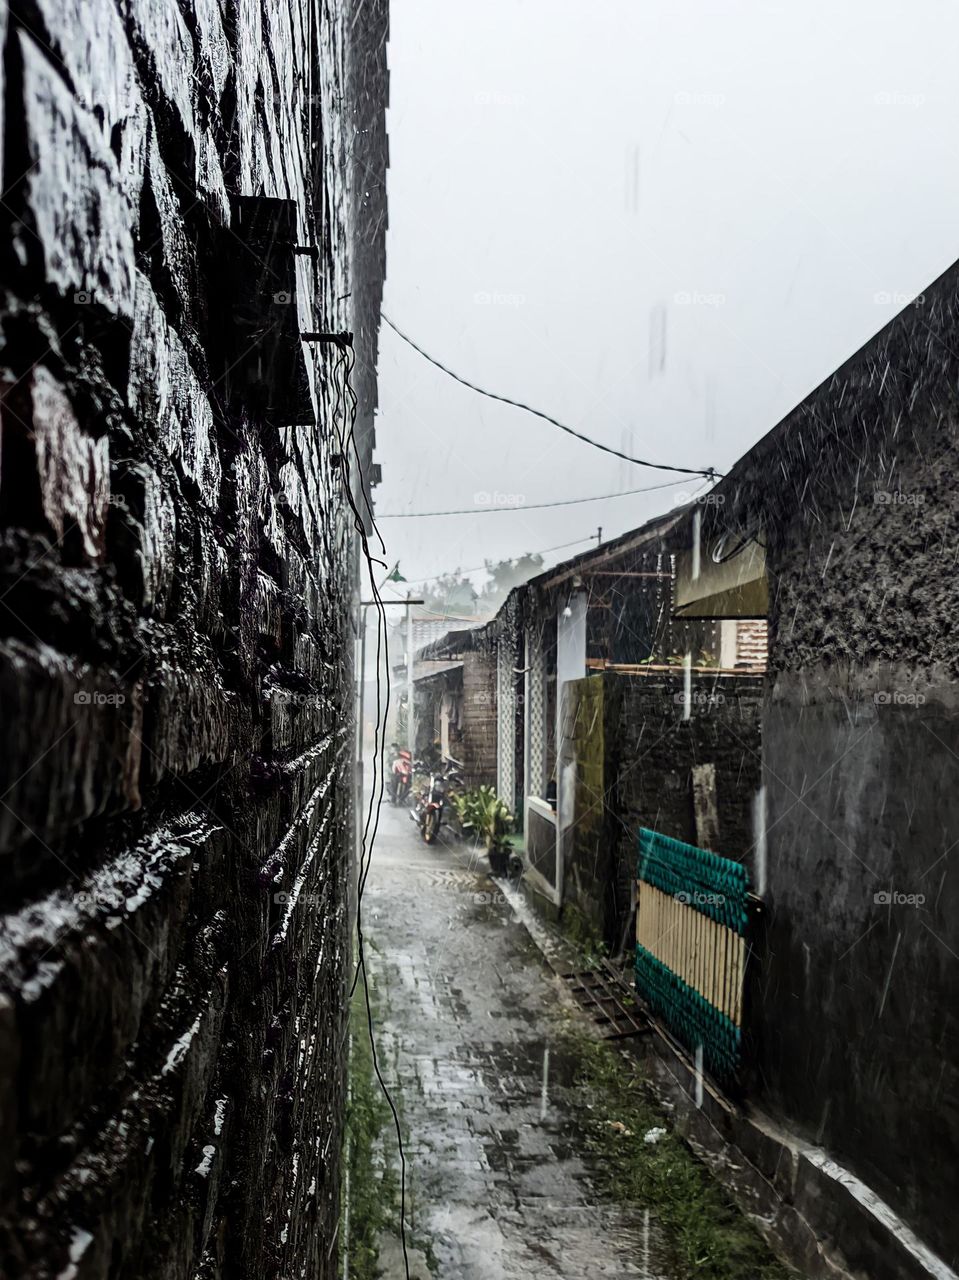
471,1041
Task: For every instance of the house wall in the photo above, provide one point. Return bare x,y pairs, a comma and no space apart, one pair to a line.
861,733
634,755
630,616
540,849
479,719
427,696
175,641
650,753
585,849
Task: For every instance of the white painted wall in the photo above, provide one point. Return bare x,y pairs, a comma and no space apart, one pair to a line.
570,665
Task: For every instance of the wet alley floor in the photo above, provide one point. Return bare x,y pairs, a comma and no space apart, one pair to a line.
471,1040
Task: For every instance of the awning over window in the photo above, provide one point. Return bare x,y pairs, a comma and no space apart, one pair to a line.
722,581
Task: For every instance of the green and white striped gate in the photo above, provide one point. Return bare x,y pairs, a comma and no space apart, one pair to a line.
691,918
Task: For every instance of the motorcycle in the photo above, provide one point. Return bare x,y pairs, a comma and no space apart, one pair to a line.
401,775
430,803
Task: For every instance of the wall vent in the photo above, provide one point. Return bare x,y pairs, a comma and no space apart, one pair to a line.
263,352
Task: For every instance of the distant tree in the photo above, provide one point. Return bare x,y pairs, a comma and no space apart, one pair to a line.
451,593
454,594
504,575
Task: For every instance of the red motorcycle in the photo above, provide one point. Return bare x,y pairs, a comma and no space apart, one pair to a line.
430,804
401,774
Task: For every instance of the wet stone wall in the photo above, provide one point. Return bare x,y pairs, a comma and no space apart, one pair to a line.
176,582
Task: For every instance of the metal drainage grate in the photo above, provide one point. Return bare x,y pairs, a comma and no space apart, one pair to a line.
609,1001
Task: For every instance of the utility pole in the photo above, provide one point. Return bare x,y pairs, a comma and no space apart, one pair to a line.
364,605
409,673
599,536
360,736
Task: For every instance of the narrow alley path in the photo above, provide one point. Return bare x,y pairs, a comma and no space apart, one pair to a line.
470,1035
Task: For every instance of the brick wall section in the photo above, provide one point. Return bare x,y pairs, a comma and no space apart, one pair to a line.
175,585
650,751
479,719
752,643
368,149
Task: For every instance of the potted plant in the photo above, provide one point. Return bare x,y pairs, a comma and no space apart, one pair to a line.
482,812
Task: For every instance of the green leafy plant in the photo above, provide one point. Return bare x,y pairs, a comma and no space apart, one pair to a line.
482,812
702,659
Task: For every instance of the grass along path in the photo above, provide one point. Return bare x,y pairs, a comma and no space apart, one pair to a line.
706,1235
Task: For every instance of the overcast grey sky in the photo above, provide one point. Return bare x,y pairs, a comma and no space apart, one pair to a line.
661,222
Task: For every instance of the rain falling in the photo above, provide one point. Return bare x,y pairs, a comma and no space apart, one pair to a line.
479,690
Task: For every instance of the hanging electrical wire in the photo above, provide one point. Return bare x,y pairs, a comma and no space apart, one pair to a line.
710,472
476,568
344,423
528,506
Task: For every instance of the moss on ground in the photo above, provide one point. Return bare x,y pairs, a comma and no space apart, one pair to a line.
370,1149
579,930
705,1234
373,1203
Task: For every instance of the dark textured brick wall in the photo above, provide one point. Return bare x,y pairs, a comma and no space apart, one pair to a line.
855,493
367,156
479,719
175,640
650,751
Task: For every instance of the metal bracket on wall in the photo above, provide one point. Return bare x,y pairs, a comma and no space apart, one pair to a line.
304,250
342,340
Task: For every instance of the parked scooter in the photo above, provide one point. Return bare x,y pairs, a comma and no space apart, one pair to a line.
401,774
430,804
